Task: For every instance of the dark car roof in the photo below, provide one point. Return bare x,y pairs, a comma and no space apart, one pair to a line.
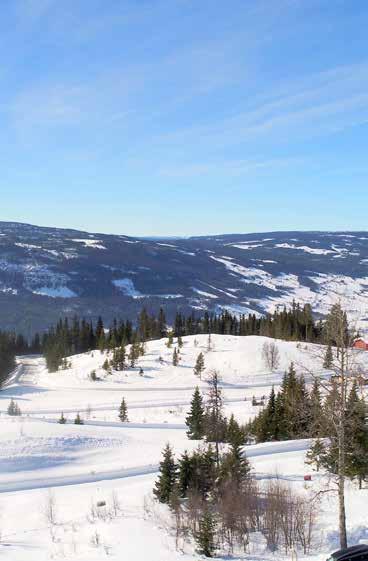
350,551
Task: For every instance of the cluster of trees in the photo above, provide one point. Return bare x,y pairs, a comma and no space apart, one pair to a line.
77,421
121,360
292,412
218,503
207,420
14,409
74,336
324,452
333,412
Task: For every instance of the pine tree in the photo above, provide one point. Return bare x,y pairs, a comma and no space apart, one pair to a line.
78,420
168,476
195,417
199,366
123,412
180,342
328,359
205,537
62,420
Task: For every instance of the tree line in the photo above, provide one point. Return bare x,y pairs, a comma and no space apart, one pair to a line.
73,336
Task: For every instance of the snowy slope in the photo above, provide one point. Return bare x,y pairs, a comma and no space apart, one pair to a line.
105,459
117,463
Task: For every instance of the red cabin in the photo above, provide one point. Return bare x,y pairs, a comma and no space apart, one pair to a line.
360,344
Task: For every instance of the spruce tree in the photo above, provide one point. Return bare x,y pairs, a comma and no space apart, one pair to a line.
78,420
185,476
199,366
11,408
205,536
123,412
316,454
234,434
62,420
195,417
235,465
267,425
168,476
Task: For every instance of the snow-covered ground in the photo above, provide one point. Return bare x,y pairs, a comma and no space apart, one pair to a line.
42,462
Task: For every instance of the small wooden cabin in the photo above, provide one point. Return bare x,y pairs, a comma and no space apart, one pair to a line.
360,344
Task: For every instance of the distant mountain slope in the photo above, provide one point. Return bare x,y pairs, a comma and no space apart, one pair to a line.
49,272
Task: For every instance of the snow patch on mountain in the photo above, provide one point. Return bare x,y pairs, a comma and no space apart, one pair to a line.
127,287
55,292
245,246
203,293
28,246
305,248
95,244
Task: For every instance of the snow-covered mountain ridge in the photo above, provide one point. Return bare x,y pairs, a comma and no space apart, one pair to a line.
49,272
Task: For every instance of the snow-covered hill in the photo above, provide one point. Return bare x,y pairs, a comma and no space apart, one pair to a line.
105,460
48,272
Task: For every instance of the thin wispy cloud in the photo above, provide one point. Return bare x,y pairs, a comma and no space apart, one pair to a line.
318,104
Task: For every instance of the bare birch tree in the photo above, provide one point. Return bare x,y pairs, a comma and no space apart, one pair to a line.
345,368
271,355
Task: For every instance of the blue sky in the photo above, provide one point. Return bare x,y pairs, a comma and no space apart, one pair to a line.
178,117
